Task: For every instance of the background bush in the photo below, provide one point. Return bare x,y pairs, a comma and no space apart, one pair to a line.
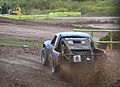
86,7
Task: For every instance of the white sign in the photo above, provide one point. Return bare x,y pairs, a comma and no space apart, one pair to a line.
77,58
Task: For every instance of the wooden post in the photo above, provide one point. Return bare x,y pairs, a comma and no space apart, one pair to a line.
92,34
111,39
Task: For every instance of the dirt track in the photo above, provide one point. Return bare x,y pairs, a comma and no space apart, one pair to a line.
29,31
21,67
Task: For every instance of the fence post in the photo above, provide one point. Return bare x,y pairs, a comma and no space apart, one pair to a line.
92,34
111,39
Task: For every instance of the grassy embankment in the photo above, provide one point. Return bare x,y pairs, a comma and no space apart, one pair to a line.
86,7
43,17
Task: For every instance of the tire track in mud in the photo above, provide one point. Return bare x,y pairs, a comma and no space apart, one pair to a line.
32,79
28,62
20,69
35,32
23,68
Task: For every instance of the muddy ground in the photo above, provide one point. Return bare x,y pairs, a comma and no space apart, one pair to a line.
21,67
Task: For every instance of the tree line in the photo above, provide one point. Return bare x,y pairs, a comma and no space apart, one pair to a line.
102,7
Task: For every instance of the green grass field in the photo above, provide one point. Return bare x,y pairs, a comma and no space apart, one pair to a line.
11,42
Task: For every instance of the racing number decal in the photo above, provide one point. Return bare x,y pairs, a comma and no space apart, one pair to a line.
77,58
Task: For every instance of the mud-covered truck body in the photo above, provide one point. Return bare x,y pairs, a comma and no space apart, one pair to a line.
68,47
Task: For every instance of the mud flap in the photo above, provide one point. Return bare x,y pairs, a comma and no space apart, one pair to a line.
53,66
44,57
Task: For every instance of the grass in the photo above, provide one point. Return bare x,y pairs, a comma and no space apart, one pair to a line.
64,14
25,17
11,42
43,17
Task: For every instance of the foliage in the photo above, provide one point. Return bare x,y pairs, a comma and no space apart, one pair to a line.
86,7
64,14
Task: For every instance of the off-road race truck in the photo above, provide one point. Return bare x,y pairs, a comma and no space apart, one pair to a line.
69,47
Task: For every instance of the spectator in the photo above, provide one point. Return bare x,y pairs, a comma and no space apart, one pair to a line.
4,9
18,10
